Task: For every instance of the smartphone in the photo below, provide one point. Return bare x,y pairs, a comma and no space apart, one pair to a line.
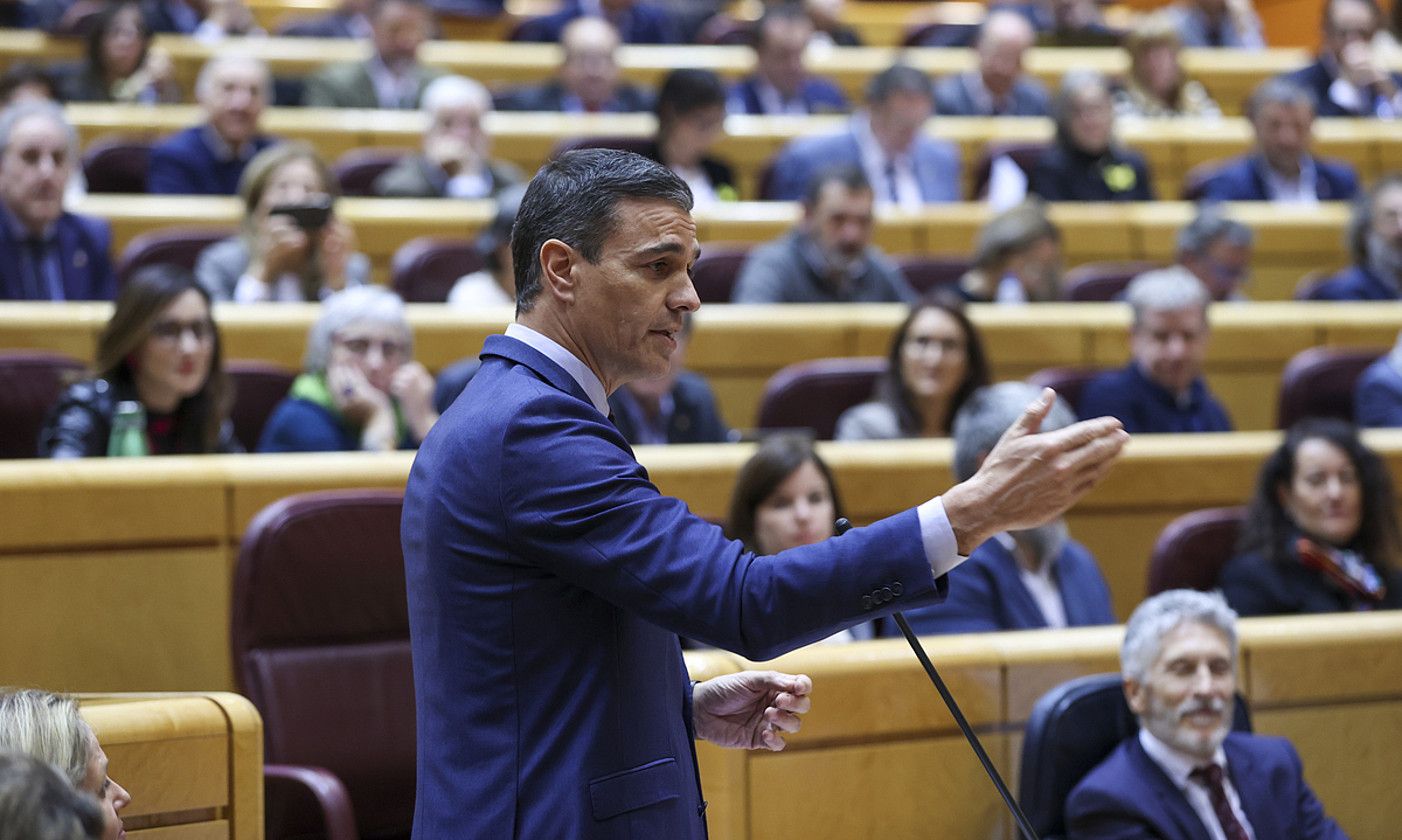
309,216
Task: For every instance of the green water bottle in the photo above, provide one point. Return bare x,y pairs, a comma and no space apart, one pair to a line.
128,437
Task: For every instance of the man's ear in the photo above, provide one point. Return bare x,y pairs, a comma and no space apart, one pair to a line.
557,262
1134,695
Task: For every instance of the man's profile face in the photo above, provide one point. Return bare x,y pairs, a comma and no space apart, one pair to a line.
1186,698
1169,346
1283,133
234,100
34,171
629,306
841,222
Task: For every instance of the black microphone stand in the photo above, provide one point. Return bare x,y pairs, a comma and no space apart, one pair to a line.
1024,825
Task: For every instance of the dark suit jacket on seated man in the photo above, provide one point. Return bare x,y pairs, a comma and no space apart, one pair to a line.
548,578
998,87
588,80
677,407
49,254
636,22
1375,243
1183,775
1350,79
781,83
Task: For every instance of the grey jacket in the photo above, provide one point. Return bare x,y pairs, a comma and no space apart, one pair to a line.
222,264
868,421
782,272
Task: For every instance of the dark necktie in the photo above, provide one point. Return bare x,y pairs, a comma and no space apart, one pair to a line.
34,276
1210,777
891,183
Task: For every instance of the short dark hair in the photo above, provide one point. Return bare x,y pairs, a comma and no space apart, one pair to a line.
573,198
899,78
787,11
684,92
775,460
849,175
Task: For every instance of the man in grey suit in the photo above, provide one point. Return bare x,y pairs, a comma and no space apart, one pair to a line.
393,76
998,87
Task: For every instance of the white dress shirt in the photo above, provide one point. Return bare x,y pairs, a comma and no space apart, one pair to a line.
1041,584
1178,767
892,177
1301,190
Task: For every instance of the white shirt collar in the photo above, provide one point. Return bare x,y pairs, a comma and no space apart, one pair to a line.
882,169
1177,765
577,369
1301,190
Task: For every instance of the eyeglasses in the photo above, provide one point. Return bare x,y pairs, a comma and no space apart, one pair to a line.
388,348
173,331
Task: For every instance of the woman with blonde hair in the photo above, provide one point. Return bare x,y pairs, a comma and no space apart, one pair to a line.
1156,86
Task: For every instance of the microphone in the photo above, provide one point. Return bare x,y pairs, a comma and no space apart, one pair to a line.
1024,825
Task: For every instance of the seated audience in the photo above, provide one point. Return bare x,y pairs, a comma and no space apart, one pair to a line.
495,283
1162,388
1377,396
1281,168
1069,23
785,497
24,81
160,349
828,257
1085,163
49,728
1217,23
292,247
677,407
36,803
455,161
360,388
1375,243
636,22
1156,86
51,254
391,78
588,81
1321,532
1017,258
1186,773
350,19
829,28
1348,79
690,119
998,87
935,364
907,167
119,62
1217,250
1018,580
226,19
208,159
781,84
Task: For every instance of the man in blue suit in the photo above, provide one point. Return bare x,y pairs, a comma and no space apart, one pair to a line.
637,23
998,87
907,167
1185,775
1021,580
781,83
1349,79
1282,169
548,578
46,253
1375,243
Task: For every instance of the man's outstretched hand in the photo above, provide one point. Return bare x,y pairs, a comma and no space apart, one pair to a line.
750,709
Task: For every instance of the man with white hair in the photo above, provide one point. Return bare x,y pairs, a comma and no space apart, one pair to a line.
1162,388
1186,774
208,159
454,162
998,87
1018,580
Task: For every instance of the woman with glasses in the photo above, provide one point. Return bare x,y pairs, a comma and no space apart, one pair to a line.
120,64
161,350
361,388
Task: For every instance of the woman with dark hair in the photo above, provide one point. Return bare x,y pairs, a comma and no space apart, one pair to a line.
160,349
1321,534
1085,163
119,64
936,362
690,119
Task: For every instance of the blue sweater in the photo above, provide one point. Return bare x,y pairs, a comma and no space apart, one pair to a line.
1144,406
185,164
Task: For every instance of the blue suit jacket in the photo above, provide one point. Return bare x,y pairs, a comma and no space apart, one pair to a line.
83,244
1377,397
1143,406
547,582
819,96
184,164
1353,283
1243,179
936,165
986,594
1317,79
642,24
1129,796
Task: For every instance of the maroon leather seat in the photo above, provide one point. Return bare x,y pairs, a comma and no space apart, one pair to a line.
1023,153
320,638
258,388
1101,281
1068,382
424,269
717,269
812,395
357,169
117,165
927,273
1319,382
178,245
1192,550
30,384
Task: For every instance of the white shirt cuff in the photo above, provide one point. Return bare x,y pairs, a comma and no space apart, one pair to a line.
941,548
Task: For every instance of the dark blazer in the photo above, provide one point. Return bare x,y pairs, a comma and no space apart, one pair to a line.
83,244
1129,796
954,97
547,582
641,24
349,85
1377,396
1254,585
1317,79
1354,283
329,25
936,165
695,417
819,96
184,164
1064,174
1143,406
551,97
1244,179
986,594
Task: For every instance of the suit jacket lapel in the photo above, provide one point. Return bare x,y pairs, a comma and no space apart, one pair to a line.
521,353
1173,804
1257,800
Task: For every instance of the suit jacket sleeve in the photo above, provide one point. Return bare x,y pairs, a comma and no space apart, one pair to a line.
1091,814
